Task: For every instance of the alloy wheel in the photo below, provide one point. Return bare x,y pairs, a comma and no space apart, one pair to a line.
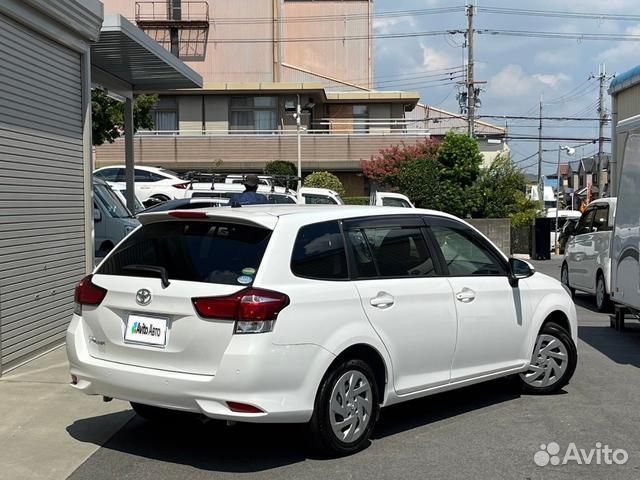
350,406
548,363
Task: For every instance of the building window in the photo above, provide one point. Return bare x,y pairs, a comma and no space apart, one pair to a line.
253,113
360,118
165,114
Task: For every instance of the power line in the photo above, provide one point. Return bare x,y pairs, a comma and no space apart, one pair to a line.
560,14
332,38
336,17
621,37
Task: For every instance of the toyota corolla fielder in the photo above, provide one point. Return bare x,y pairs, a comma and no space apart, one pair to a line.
318,315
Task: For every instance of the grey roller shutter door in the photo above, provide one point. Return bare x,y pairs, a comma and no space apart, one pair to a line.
41,191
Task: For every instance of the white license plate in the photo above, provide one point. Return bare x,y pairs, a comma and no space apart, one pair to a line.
146,330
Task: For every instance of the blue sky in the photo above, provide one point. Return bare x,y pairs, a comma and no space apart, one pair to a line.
517,70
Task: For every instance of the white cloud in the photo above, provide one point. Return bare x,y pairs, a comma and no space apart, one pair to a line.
550,79
623,52
433,59
385,25
512,81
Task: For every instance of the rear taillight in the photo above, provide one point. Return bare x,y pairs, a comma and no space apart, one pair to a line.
87,293
181,186
187,214
254,310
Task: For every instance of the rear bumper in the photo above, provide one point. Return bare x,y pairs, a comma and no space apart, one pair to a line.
280,380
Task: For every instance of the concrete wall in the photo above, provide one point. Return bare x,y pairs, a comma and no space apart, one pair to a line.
348,60
497,229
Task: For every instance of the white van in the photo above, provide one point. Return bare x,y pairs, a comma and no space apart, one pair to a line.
587,265
625,269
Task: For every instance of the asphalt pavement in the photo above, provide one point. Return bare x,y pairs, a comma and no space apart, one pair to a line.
484,431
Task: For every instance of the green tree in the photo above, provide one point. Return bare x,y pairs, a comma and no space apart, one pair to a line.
526,210
418,180
449,177
107,115
324,180
499,189
280,167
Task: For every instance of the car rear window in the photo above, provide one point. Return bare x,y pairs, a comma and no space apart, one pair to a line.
208,252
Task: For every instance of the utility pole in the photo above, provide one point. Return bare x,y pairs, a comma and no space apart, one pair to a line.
602,114
540,183
471,97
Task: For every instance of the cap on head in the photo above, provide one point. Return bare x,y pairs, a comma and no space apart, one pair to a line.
251,180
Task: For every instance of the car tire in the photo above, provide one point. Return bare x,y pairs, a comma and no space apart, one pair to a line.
602,297
553,361
564,279
346,409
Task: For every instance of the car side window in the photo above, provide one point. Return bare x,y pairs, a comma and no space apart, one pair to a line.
319,252
394,202
584,225
601,220
318,200
143,176
108,174
390,252
155,177
464,254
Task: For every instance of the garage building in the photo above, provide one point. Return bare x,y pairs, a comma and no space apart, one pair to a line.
48,51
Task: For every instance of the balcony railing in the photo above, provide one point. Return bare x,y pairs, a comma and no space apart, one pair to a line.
163,14
374,130
243,150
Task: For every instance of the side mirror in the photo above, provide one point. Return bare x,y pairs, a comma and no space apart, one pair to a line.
518,270
97,216
570,230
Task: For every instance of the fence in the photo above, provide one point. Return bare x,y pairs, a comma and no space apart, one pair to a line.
497,229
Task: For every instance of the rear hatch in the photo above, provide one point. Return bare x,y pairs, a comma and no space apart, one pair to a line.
148,321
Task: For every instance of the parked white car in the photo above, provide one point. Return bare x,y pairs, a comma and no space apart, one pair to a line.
320,196
587,265
390,199
319,315
276,195
150,182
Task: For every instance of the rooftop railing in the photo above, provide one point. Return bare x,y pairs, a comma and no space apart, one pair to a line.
163,12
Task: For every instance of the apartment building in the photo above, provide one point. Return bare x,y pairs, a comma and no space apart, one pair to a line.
258,59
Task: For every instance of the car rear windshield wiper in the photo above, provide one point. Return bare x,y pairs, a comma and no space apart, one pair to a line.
164,276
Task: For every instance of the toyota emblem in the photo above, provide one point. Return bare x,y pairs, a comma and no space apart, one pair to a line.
143,297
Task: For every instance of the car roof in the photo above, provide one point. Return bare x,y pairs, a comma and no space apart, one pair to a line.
322,191
268,215
139,167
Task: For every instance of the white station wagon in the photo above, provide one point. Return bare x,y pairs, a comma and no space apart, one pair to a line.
312,314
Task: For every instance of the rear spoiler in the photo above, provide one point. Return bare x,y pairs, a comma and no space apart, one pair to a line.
252,219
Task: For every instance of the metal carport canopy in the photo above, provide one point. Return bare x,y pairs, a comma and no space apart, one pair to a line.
124,61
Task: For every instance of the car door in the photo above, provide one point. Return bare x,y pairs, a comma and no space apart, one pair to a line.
405,297
143,183
492,317
601,234
580,250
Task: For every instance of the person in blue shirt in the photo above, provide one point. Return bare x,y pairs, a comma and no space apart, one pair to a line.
250,196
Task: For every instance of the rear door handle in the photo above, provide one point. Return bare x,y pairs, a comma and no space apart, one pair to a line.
382,300
466,295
